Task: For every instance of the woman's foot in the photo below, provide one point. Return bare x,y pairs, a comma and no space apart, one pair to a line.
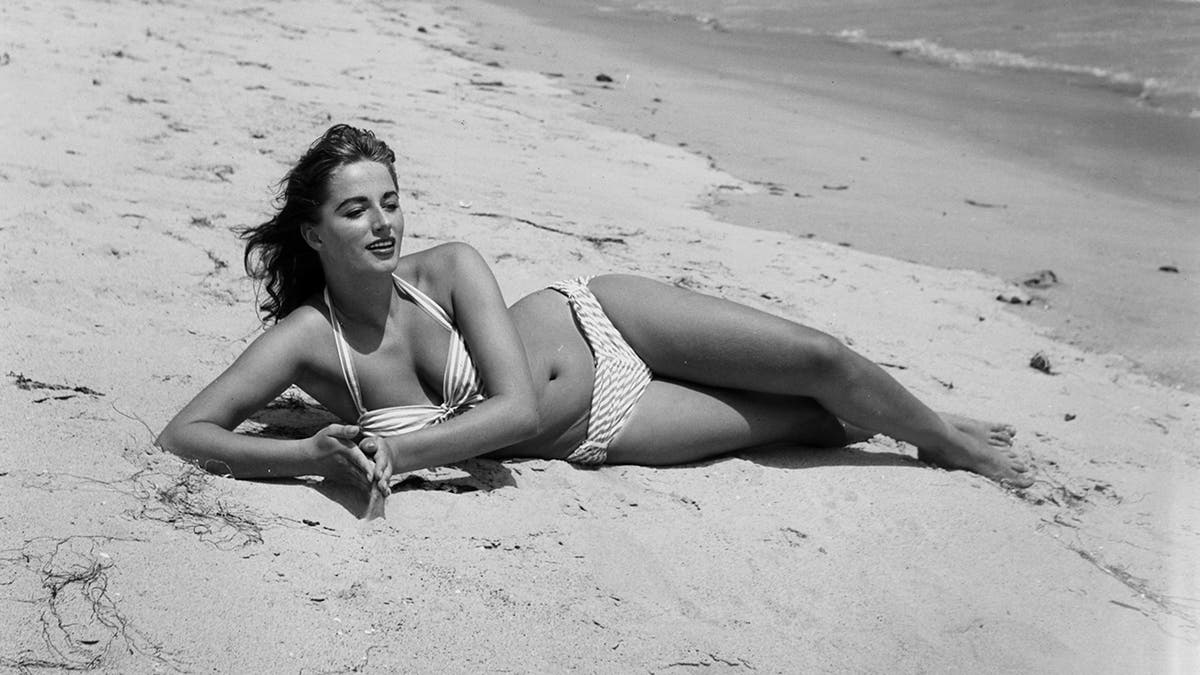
981,447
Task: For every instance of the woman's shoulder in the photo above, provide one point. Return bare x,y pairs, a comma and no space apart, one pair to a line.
303,328
438,267
442,272
301,342
437,259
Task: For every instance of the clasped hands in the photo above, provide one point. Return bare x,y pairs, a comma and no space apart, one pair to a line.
341,454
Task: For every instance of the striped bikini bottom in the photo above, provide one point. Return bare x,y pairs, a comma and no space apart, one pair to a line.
621,375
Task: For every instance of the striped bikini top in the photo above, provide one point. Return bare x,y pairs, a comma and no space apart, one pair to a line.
461,386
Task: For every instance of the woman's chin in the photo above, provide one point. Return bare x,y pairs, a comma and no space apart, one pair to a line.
387,261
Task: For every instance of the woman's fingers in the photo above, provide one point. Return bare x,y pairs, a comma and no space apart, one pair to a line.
362,463
346,462
365,464
369,446
345,431
379,470
381,475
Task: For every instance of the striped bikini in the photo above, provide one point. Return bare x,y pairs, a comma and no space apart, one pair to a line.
620,380
461,386
621,375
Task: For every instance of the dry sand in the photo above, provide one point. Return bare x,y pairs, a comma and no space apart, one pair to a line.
136,137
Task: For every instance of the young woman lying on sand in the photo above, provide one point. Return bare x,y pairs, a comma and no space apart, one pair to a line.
421,352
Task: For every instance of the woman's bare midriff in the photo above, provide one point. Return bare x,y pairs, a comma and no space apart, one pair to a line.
562,368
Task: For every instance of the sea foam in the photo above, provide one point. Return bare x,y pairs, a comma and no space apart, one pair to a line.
1151,92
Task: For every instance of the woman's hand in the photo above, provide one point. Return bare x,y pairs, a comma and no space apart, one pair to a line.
381,472
338,457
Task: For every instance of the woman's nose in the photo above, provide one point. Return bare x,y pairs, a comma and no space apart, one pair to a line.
382,220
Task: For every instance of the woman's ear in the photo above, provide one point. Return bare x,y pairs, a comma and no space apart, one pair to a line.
311,236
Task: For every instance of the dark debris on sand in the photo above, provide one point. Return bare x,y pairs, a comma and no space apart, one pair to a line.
29,384
1041,362
1040,279
595,240
82,626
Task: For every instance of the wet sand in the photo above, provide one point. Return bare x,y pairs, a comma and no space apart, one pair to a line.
1005,173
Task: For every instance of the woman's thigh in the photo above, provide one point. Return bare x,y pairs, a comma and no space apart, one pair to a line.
698,338
679,422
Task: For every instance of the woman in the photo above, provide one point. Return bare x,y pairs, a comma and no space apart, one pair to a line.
422,354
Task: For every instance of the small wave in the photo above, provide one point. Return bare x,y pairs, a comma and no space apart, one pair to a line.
1151,92
710,23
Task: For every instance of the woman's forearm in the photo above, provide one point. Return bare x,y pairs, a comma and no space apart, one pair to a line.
493,424
221,451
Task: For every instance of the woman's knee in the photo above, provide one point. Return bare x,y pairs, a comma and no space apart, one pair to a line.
818,354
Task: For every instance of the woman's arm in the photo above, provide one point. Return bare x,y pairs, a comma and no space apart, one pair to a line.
509,414
202,431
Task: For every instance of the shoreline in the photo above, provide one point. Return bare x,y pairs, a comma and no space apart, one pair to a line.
1078,181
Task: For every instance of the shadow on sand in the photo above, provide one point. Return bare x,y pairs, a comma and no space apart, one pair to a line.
472,475
293,416
801,457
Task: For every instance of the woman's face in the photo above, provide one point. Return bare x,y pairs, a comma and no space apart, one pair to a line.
360,224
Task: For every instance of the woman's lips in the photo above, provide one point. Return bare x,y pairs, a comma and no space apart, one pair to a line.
382,245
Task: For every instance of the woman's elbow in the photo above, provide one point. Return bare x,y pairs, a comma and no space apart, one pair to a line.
175,439
168,439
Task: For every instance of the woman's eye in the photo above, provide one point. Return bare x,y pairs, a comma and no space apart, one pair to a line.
391,207
354,214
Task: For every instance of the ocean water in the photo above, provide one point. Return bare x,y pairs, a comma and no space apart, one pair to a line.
1146,50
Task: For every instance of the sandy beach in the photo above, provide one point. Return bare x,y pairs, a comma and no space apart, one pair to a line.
136,139
1004,173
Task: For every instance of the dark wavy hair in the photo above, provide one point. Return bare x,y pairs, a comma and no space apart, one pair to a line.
276,253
